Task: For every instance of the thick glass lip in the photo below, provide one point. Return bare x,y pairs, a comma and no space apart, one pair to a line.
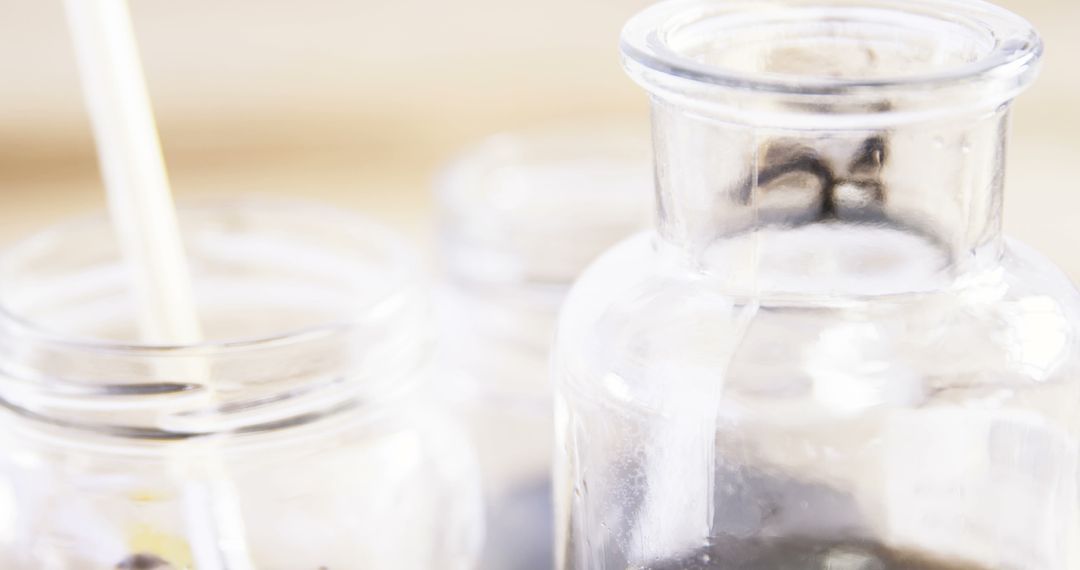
401,273
457,188
588,178
1011,60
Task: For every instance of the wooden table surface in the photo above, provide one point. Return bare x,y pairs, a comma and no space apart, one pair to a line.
359,102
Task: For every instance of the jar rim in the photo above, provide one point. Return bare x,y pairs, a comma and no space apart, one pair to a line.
402,270
1014,47
530,209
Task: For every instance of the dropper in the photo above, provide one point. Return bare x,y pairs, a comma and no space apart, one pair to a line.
144,218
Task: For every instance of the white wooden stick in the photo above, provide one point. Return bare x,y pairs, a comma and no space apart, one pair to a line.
140,202
142,212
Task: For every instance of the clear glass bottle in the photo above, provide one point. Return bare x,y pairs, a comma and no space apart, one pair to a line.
327,452
826,356
521,216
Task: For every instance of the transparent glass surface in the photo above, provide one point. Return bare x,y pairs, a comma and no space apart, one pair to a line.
825,356
320,431
520,217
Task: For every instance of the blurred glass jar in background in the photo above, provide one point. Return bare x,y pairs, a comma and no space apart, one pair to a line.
520,217
318,347
826,356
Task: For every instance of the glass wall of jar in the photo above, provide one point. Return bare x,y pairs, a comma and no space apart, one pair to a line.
299,434
826,355
520,216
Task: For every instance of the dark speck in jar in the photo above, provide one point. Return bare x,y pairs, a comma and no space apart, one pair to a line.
144,562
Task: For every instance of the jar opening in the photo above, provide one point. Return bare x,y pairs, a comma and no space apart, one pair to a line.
306,311
256,267
828,46
532,210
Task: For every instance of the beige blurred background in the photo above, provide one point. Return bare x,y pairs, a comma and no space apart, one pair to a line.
359,102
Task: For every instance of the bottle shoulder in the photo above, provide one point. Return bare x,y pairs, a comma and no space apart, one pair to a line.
634,314
636,270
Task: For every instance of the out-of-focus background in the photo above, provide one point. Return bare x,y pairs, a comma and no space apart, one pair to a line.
359,102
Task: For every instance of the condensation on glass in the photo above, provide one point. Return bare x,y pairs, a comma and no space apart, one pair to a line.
826,355
520,216
317,348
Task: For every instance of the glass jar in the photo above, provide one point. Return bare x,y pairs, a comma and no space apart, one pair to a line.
520,216
826,356
316,448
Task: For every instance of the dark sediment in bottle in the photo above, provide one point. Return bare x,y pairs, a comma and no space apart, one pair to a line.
806,554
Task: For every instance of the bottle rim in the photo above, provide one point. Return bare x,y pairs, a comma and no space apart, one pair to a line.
1007,61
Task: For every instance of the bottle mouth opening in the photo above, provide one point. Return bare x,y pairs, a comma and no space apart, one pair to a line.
823,47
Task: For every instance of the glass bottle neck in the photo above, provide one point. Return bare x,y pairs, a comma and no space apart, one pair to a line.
842,147
896,208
